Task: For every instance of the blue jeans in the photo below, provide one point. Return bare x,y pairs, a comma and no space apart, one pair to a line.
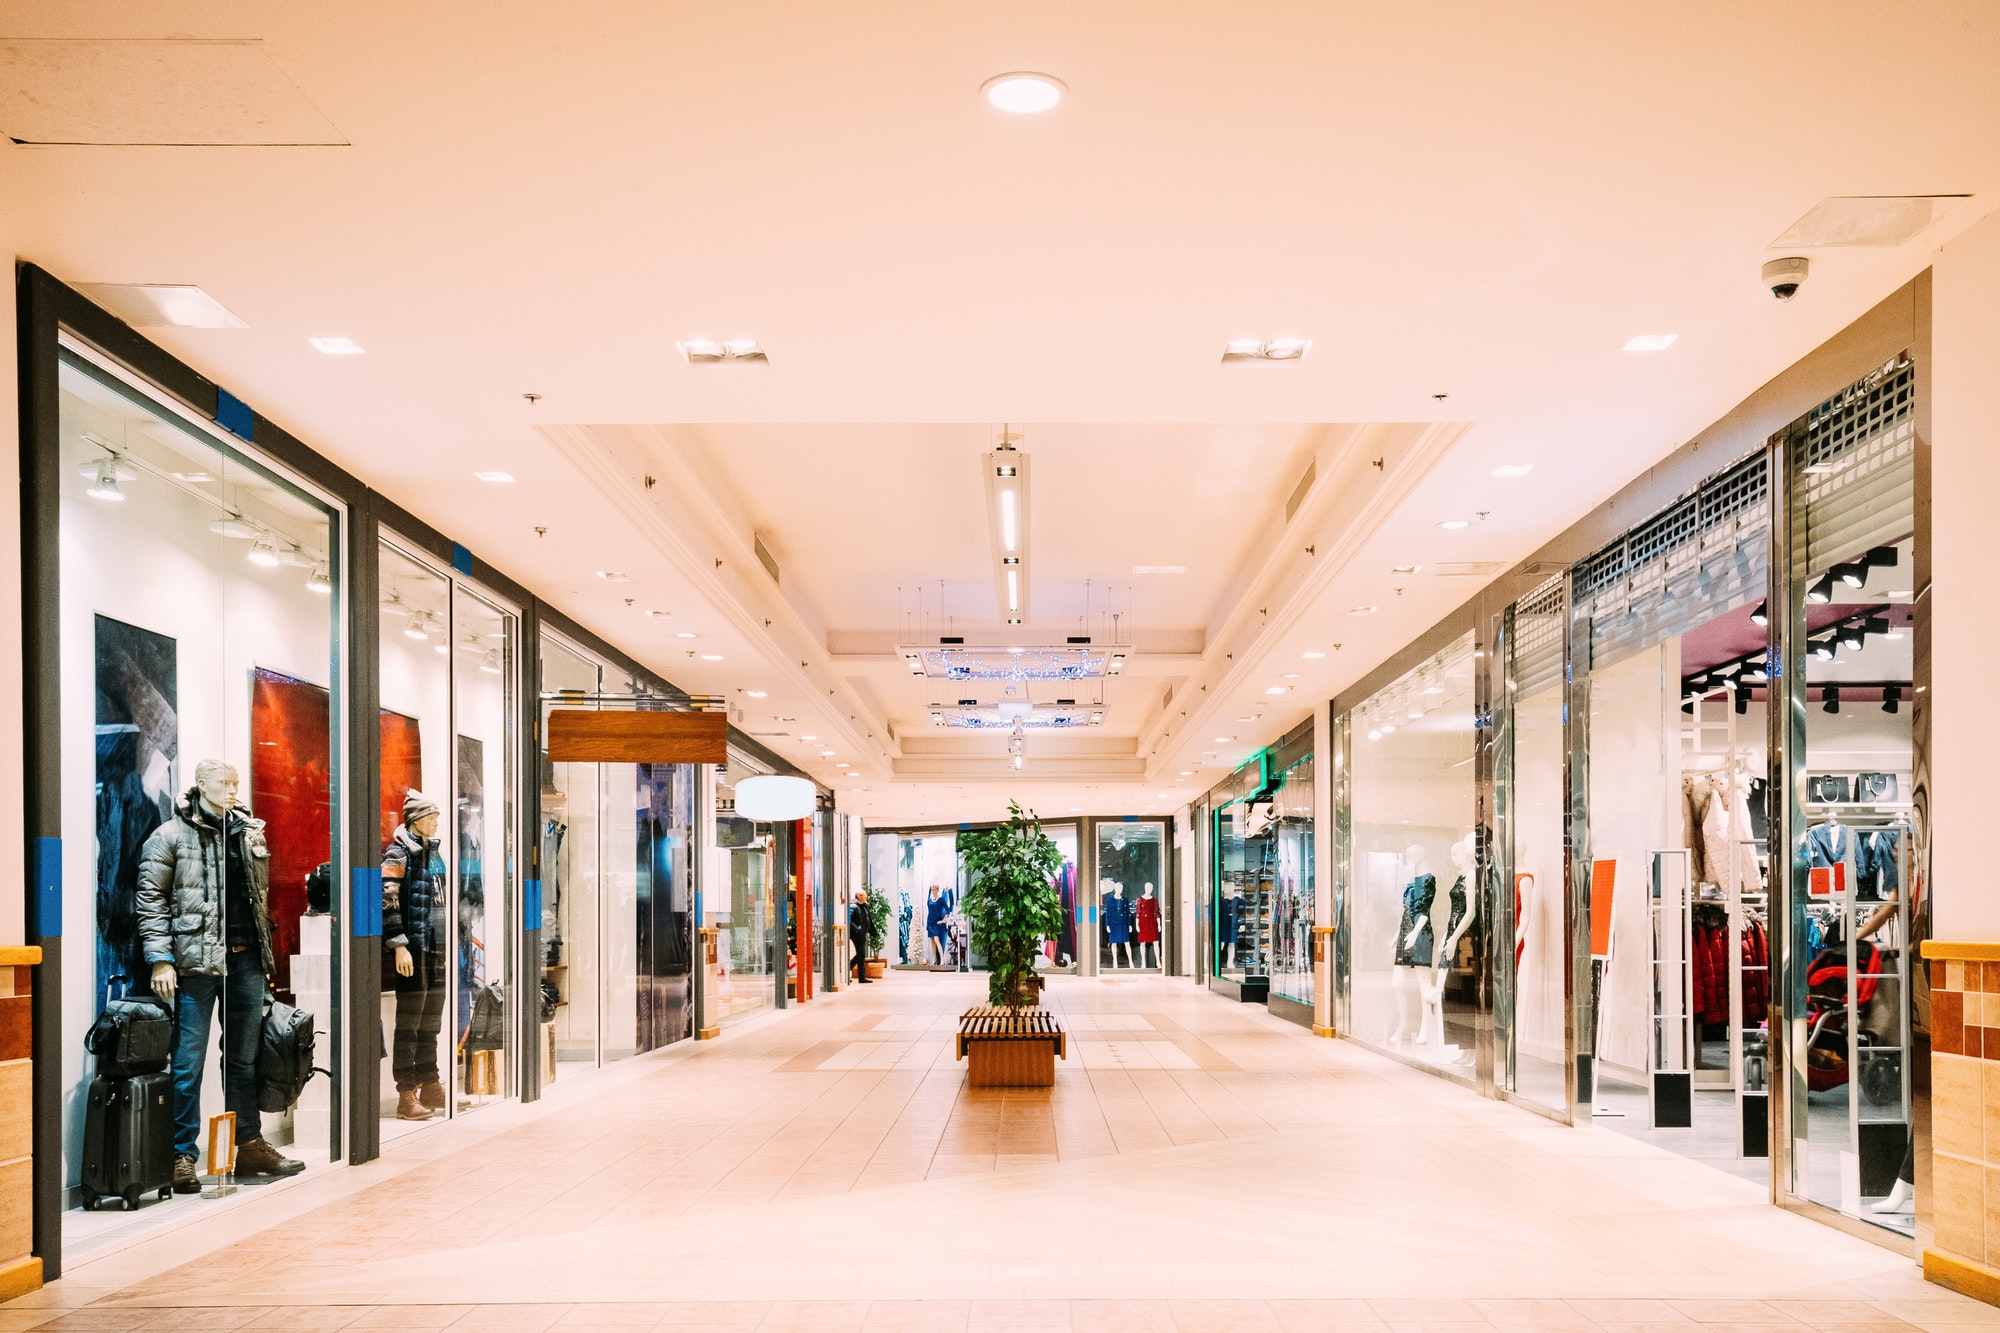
242,996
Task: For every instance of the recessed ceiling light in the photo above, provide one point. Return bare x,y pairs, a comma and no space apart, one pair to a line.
808,738
1405,569
1360,610
1312,656
658,614
1265,349
338,346
1023,92
698,350
614,576
756,694
1454,524
1651,342
1187,772
841,764
827,754
711,657
497,478
684,634
1289,675
1513,469
1224,740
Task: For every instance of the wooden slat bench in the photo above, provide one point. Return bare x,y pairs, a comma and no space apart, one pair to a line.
1010,1048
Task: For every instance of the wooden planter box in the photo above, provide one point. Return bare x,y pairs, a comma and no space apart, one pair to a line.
874,968
1010,1048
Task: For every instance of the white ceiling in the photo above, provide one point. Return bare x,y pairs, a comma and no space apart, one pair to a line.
1484,203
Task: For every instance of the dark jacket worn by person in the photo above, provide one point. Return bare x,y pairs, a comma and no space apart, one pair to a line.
857,926
412,886
184,889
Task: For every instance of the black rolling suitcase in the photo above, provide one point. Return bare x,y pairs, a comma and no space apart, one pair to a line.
128,1139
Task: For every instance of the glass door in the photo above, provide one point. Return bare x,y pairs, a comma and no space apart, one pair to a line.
1131,902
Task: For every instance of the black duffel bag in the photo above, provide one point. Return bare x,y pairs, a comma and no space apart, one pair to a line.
131,1036
284,1056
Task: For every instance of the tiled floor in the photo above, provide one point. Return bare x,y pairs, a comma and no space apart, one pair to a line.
1199,1166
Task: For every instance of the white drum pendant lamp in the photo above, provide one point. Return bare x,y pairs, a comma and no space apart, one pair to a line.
772,798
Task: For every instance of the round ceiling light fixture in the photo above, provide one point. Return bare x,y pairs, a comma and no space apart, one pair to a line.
768,798
1023,92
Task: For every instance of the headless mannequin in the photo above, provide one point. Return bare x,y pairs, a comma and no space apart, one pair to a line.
1117,892
1149,950
1229,946
1441,909
1412,983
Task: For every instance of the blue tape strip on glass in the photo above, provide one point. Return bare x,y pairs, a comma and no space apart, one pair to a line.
234,415
48,886
461,559
367,913
531,905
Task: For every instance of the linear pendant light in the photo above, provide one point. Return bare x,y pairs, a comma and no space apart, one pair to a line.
1007,506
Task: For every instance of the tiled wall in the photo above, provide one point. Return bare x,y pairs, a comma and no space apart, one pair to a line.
1965,1108
18,1271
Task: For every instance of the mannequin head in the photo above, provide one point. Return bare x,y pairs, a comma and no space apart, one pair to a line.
420,814
1461,855
934,892
1413,859
1148,891
216,782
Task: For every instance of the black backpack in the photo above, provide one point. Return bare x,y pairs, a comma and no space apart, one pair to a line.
132,1036
487,1030
284,1057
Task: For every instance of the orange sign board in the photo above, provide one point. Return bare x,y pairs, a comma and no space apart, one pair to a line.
626,736
1603,880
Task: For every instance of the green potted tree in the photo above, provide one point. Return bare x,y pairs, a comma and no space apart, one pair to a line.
876,905
1011,902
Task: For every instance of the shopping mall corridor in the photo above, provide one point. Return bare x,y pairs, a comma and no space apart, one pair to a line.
1199,1165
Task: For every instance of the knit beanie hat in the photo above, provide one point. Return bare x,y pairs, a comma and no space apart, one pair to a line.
416,805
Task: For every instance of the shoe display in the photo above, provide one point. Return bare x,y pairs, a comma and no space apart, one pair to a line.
259,1158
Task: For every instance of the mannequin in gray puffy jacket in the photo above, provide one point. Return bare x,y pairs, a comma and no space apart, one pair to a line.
205,930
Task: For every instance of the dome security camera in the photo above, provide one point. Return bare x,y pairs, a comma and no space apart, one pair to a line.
1785,276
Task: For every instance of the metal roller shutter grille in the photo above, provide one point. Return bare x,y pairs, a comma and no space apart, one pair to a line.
1702,556
1856,458
1538,638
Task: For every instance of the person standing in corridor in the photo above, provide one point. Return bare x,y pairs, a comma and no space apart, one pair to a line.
857,934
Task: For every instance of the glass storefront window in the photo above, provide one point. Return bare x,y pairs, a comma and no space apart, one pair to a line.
447,665
1416,941
1293,897
1062,950
1131,869
1856,897
743,910
199,658
569,851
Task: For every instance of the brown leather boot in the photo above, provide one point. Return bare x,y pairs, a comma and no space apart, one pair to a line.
409,1106
187,1180
432,1095
259,1158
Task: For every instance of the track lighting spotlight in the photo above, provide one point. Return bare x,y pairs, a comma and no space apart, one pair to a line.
1876,624
1742,700
1823,648
1687,706
1821,592
1830,698
320,580
1853,636
1762,615
1853,575
104,484
1892,695
1881,557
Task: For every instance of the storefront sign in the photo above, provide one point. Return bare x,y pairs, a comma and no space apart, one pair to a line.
600,736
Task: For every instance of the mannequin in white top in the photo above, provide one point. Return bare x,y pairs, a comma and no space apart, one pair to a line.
1411,982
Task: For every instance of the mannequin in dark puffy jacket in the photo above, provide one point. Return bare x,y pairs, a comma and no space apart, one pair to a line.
413,936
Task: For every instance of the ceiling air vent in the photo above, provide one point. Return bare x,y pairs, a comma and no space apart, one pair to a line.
1299,491
765,558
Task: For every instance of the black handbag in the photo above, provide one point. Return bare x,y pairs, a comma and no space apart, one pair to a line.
1827,789
131,1036
1874,786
